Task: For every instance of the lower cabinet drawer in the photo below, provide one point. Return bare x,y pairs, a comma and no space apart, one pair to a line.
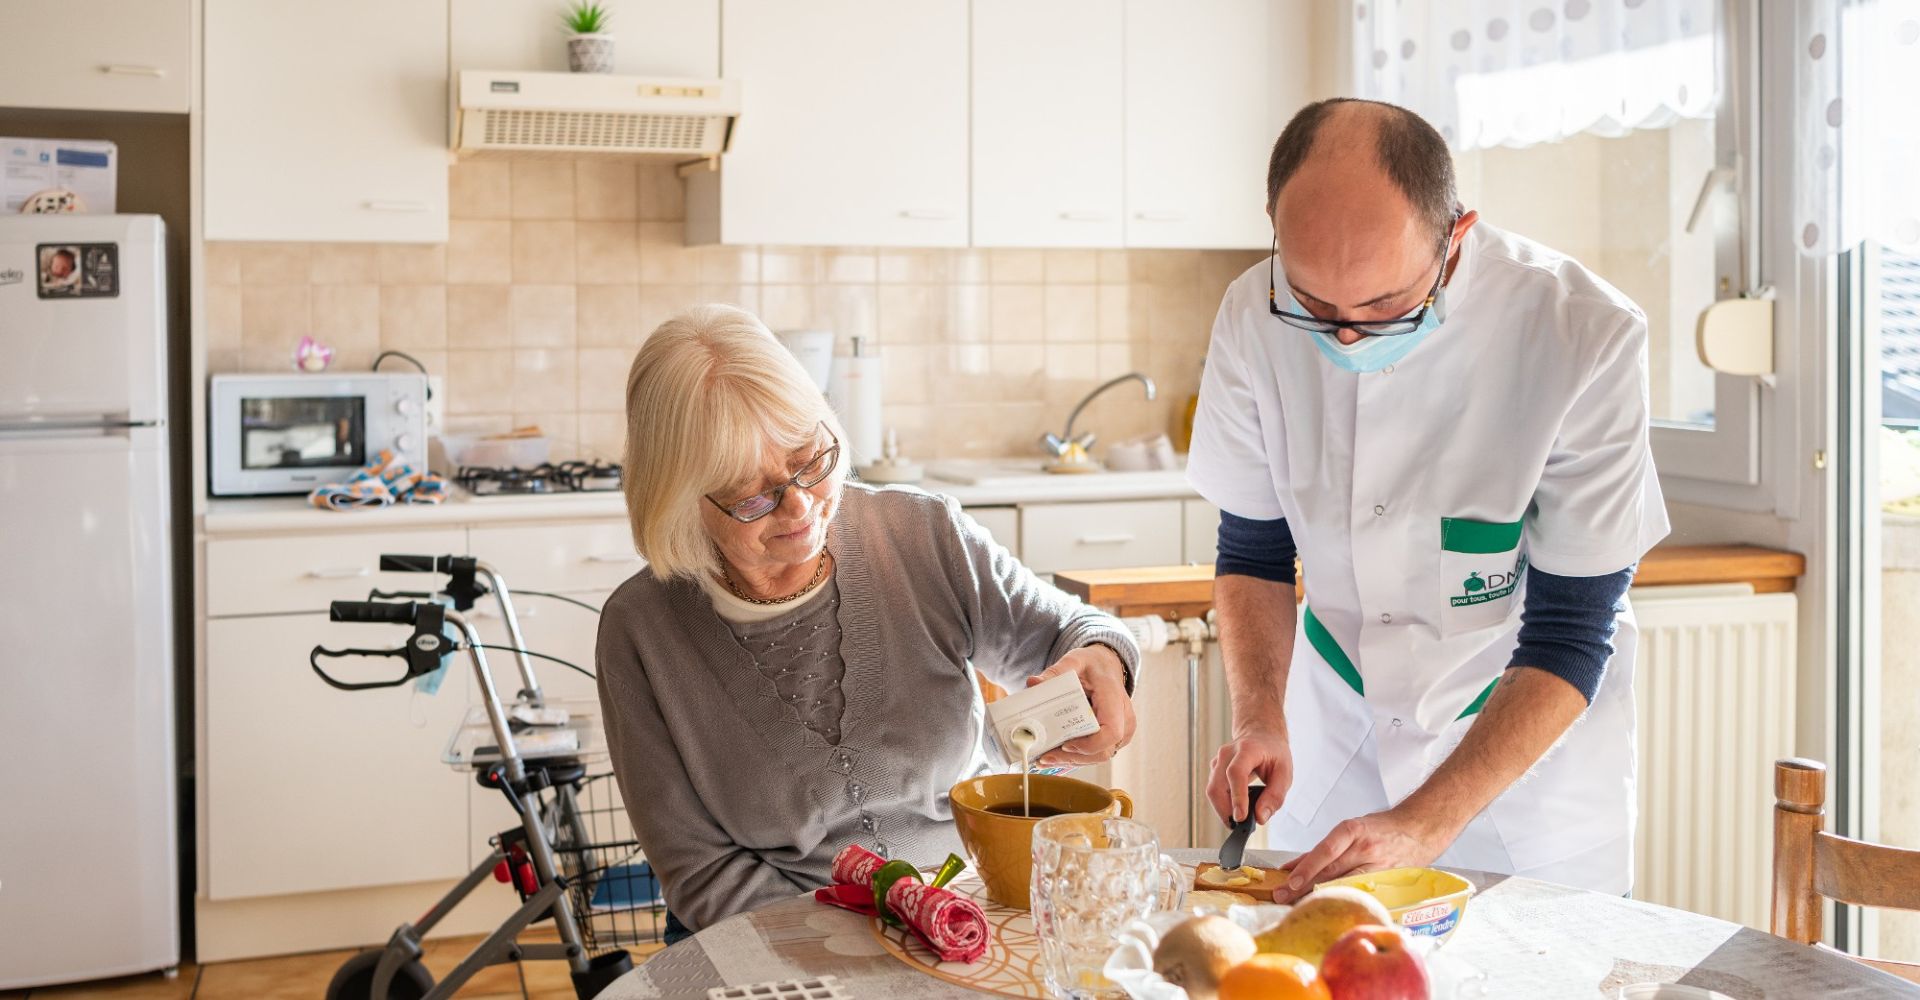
588,556
252,576
1068,536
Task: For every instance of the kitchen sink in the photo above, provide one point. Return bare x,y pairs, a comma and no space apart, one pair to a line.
1024,472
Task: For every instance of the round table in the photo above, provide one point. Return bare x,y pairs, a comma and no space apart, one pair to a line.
1531,940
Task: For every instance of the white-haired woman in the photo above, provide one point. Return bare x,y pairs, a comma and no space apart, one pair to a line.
794,669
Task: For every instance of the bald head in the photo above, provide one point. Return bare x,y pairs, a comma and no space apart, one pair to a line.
1362,200
1384,140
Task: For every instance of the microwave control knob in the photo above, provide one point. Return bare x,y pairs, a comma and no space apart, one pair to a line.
406,406
403,443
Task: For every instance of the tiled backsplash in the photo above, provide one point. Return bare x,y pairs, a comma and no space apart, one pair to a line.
555,271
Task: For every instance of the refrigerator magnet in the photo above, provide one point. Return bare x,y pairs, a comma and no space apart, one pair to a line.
79,270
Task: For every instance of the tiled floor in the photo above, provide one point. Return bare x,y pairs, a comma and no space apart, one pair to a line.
305,977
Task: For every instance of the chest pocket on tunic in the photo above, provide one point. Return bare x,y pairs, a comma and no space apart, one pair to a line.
1480,568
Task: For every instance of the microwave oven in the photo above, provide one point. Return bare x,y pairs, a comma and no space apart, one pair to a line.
290,433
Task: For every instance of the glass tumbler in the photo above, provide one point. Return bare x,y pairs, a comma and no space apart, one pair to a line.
1092,876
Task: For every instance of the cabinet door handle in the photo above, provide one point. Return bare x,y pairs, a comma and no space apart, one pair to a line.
124,69
614,557
1159,216
926,214
337,572
396,206
1104,539
1086,216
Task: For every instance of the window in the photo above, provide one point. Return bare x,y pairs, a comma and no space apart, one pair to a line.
1617,134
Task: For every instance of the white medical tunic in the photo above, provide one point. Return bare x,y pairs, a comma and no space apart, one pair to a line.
1515,435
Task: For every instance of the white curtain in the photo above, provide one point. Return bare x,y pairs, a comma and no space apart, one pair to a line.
1519,72
1857,124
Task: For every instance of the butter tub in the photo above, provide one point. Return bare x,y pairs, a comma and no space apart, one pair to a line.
1424,901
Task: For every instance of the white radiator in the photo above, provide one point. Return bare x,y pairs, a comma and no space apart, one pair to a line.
1715,708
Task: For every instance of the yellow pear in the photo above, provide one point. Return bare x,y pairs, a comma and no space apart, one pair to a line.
1318,920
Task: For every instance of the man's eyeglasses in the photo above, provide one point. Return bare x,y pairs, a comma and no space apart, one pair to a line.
1372,328
810,475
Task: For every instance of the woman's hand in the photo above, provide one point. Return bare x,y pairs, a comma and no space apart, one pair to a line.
1103,678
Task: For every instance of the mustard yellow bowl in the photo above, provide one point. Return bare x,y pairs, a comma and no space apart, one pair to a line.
1425,901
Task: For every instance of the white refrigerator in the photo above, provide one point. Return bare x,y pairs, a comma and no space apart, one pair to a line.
89,880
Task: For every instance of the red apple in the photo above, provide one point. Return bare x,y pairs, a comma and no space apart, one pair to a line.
1374,963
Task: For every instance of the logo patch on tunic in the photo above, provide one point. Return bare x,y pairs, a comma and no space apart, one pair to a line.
1477,589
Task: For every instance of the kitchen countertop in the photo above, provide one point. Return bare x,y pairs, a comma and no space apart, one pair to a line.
273,514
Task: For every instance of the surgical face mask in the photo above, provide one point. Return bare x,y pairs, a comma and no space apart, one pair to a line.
1372,353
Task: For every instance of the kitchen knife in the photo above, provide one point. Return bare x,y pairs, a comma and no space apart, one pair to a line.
1234,851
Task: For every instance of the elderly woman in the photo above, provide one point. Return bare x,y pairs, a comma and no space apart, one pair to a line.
794,671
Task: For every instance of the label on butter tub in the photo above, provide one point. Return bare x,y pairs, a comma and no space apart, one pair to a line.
1053,711
1431,921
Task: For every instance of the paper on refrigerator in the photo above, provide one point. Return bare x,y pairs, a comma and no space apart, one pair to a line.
88,168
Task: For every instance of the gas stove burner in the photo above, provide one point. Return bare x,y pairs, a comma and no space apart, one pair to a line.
566,477
591,476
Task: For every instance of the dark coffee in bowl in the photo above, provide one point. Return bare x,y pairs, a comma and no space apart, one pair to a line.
1015,809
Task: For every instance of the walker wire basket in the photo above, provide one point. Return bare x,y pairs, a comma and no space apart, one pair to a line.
615,895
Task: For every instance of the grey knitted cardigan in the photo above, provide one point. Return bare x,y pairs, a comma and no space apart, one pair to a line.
737,804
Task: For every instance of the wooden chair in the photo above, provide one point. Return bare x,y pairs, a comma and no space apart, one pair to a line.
1811,865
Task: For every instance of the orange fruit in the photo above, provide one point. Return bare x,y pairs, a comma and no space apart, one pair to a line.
1273,977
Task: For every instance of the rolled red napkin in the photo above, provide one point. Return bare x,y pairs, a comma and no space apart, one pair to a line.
855,865
951,924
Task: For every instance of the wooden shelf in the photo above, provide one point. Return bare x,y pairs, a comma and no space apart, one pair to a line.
1179,591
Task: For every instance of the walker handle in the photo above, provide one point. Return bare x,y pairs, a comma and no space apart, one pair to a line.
402,613
413,564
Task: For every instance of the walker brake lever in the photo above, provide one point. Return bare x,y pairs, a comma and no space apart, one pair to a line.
423,652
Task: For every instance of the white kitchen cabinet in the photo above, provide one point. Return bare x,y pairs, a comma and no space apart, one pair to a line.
1003,523
305,573
577,556
1206,95
853,128
113,55
311,789
1047,121
681,38
326,121
1201,535
1063,536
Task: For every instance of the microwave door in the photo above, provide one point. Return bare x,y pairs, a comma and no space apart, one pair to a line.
310,432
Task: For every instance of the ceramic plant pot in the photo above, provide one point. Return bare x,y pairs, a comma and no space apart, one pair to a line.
590,53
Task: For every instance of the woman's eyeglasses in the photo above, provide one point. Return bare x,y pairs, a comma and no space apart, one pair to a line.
1372,328
810,475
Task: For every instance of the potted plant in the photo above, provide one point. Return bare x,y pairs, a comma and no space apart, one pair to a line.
590,48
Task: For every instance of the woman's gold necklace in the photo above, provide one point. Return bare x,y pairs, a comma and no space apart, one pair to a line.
819,574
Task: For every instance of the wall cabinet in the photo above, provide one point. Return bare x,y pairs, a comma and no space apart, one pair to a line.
113,55
1201,117
853,128
325,122
1047,119
1074,123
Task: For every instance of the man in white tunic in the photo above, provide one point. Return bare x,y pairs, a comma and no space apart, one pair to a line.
1448,423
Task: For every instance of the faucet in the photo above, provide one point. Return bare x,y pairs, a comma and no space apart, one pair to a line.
1059,444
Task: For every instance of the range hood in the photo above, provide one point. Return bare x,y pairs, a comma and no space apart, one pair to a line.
570,114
